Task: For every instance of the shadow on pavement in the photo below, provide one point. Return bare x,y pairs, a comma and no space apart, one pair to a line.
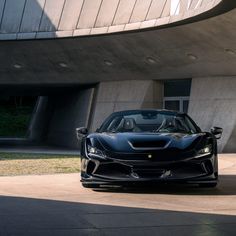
25,216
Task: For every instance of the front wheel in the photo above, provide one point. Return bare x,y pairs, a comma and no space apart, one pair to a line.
208,185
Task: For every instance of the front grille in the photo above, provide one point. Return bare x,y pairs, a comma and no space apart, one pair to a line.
164,155
148,172
181,170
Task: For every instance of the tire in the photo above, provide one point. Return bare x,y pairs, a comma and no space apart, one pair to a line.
90,185
208,185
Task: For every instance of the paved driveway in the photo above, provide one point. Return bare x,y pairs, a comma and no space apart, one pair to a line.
58,205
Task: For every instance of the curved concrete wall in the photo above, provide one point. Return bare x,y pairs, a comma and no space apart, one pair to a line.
29,19
201,49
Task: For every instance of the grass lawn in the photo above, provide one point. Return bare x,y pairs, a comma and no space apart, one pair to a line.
12,164
14,122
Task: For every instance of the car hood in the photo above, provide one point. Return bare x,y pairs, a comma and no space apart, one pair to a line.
138,142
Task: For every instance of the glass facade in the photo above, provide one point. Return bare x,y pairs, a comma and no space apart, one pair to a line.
176,95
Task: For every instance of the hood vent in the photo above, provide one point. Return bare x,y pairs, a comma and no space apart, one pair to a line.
149,144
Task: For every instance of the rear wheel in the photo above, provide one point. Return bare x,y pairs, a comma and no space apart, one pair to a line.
208,185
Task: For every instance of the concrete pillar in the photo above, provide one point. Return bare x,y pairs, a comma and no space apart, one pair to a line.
213,103
56,117
123,95
69,112
39,120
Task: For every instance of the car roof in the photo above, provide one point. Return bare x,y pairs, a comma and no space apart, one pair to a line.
162,111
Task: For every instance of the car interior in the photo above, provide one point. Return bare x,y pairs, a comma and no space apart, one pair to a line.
129,124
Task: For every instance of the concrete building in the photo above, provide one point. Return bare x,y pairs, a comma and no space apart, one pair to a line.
85,59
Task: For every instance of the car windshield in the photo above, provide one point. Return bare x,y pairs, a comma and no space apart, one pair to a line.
148,121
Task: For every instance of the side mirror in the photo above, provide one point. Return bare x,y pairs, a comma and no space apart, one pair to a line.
217,131
82,131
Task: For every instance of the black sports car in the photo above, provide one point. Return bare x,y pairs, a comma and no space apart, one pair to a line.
149,146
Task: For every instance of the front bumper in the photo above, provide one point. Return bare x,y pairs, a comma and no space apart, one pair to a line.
120,172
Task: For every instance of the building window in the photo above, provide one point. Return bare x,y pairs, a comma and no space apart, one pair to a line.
176,95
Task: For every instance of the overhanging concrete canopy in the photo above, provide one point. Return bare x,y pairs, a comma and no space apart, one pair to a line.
31,19
205,48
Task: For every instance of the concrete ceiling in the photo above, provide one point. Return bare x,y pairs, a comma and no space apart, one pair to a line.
204,48
30,19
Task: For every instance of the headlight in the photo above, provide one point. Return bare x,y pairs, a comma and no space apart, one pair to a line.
94,152
204,151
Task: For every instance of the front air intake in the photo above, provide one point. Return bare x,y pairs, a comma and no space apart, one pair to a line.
149,144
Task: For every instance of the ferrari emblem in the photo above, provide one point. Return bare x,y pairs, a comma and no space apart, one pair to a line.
149,156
